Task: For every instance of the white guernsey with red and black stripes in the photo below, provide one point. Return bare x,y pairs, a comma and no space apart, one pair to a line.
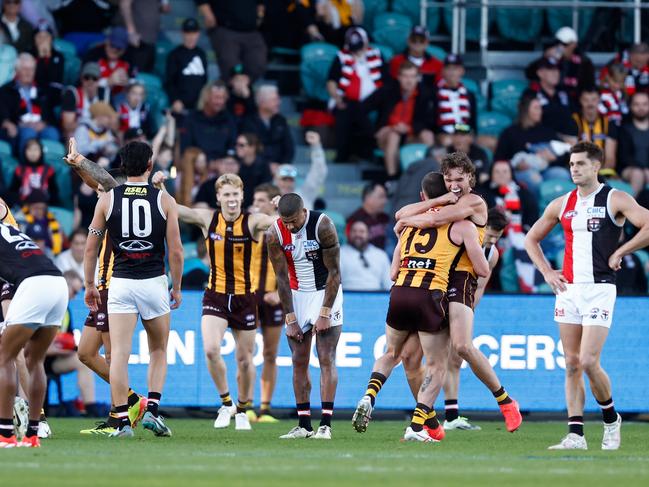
592,235
306,268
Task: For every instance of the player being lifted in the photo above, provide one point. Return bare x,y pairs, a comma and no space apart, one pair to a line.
95,333
139,219
459,177
231,238
303,247
29,323
592,217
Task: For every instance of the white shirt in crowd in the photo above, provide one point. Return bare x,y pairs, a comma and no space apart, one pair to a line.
65,262
364,271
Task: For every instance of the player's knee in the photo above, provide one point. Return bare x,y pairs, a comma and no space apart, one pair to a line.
270,356
463,349
410,363
327,361
301,361
85,357
589,362
213,354
573,364
244,362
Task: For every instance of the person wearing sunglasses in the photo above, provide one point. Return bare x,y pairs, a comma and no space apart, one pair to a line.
76,102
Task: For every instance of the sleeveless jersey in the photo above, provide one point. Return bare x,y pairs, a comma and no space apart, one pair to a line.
106,262
266,280
591,234
306,268
21,258
426,257
137,227
230,246
462,261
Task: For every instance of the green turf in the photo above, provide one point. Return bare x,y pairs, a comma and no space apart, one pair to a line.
200,455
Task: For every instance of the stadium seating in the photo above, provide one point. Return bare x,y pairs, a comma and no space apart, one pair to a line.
519,24
392,29
340,222
53,152
643,255
371,10
7,63
8,165
473,20
508,275
162,50
505,94
551,189
72,66
5,149
66,48
314,68
621,185
64,182
492,123
189,249
386,51
412,8
474,88
560,17
436,51
65,217
411,153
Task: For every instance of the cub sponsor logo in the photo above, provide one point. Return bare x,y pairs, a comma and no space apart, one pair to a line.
596,212
311,245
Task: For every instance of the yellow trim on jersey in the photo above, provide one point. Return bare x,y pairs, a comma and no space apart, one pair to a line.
464,263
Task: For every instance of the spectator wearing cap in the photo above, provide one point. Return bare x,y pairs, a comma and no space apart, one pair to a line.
211,127
33,174
38,218
429,66
356,72
134,112
363,266
636,61
333,18
402,107
451,102
286,175
372,213
633,147
462,140
613,103
135,135
77,100
594,127
114,70
95,136
142,20
241,102
186,70
17,31
555,102
49,62
232,27
25,110
576,70
270,126
253,168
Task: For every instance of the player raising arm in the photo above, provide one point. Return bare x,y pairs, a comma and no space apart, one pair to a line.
592,217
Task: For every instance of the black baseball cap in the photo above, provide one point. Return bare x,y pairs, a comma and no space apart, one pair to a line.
191,25
134,133
237,69
453,59
419,31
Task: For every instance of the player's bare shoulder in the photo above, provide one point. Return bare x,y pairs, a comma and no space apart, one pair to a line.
327,234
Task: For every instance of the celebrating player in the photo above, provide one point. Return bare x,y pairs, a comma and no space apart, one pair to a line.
496,223
95,333
139,219
29,323
229,300
271,316
303,247
592,217
459,176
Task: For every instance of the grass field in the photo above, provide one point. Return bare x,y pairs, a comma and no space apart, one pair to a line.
200,455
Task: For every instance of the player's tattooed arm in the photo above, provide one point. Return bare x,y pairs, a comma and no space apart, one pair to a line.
331,257
278,260
91,173
95,237
537,233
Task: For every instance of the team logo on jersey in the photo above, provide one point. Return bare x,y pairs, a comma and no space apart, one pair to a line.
596,212
101,316
289,248
310,245
26,245
594,224
336,316
135,245
570,214
604,314
216,236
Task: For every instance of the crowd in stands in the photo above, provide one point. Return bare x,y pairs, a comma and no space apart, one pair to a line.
106,72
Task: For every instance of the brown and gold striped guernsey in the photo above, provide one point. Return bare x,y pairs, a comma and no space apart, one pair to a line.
265,281
426,258
106,261
230,246
462,261
9,218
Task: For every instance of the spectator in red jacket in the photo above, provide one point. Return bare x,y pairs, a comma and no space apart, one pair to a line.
429,66
33,174
114,69
135,112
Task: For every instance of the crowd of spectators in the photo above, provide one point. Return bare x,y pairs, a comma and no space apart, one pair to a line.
202,125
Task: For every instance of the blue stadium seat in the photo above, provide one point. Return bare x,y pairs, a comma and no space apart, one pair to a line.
162,49
372,9
8,57
436,51
473,20
519,24
53,149
551,189
643,255
8,165
562,17
314,68
505,94
474,88
72,66
411,153
392,29
64,182
5,149
65,47
149,80
65,217
340,222
492,123
412,8
621,185
508,275
386,51
189,249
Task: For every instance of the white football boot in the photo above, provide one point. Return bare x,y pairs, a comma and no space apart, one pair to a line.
612,435
363,414
422,436
323,433
224,416
297,433
241,422
572,441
